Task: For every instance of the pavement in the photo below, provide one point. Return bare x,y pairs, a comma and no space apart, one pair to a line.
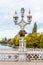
20,63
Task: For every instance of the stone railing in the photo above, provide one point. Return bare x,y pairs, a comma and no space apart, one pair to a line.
8,57
29,55
35,49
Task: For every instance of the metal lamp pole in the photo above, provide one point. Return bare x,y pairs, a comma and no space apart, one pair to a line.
22,23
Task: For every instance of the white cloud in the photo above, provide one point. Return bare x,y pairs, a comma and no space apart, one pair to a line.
40,30
7,8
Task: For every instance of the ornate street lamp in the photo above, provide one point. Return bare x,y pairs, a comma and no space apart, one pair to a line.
15,18
29,17
22,23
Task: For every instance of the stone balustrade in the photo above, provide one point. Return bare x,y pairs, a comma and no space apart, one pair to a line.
34,49
29,55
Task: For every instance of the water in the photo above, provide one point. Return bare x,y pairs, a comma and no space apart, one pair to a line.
5,47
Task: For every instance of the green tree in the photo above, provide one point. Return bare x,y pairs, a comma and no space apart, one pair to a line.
10,41
16,40
34,28
32,40
41,41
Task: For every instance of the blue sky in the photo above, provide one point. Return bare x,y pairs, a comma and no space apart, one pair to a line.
7,8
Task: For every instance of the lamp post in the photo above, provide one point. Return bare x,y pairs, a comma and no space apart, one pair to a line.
22,25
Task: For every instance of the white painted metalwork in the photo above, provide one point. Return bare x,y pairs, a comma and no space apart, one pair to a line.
22,25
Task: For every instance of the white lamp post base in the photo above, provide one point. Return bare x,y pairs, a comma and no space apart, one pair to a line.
22,45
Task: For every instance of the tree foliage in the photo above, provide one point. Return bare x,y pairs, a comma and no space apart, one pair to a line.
33,40
34,28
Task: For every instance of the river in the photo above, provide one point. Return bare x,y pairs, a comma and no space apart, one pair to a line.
5,47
